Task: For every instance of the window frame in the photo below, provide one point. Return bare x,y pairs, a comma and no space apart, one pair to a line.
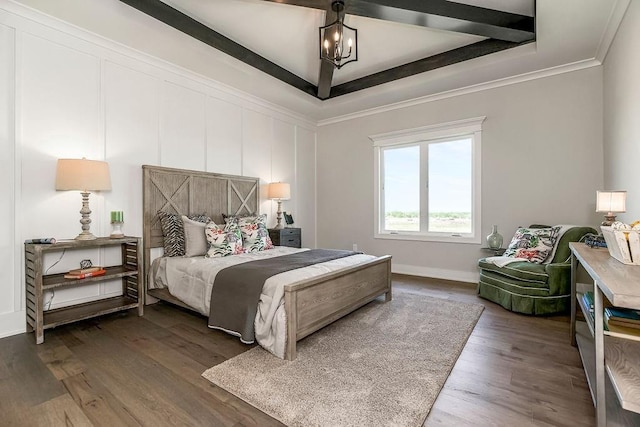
422,137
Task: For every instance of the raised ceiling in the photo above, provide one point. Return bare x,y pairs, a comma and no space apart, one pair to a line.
570,35
397,38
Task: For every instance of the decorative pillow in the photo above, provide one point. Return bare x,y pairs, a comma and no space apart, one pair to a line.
195,241
173,231
255,236
534,244
223,241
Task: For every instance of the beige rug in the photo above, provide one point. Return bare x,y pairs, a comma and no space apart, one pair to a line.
383,365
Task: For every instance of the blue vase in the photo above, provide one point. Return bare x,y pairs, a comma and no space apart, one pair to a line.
494,240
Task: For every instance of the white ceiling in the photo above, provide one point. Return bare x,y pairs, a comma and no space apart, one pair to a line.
569,34
568,31
288,36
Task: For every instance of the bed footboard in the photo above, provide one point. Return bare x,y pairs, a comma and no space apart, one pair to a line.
313,304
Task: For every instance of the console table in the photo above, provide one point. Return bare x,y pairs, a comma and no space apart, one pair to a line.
611,360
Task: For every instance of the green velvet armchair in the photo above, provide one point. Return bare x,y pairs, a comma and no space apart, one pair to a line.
529,288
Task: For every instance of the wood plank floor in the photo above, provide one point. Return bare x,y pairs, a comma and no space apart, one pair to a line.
122,369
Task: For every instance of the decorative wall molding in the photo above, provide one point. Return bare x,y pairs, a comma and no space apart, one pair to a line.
42,40
18,16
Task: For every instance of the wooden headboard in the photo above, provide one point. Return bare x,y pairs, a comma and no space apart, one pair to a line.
187,192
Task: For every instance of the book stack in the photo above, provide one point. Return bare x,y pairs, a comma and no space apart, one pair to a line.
83,273
622,320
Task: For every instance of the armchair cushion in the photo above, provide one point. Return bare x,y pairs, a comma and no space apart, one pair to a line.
532,288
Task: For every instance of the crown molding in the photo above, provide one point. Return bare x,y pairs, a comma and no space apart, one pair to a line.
521,78
613,23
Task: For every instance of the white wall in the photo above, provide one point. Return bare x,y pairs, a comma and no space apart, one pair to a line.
68,93
622,113
541,163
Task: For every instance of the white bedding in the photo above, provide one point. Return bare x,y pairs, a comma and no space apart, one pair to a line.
191,279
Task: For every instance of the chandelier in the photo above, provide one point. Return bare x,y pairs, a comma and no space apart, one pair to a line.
332,39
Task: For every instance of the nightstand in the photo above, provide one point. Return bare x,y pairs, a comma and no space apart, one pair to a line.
129,270
291,237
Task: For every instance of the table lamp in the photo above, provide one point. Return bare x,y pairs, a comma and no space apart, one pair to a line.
85,176
610,202
279,191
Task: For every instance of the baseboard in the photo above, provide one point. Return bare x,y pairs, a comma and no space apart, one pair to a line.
436,273
13,323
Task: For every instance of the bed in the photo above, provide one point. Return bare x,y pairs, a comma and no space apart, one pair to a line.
309,303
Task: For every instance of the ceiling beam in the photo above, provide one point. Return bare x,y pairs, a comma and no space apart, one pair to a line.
181,22
326,68
438,14
440,60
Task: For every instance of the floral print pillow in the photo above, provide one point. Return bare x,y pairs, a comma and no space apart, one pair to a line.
223,241
255,236
534,244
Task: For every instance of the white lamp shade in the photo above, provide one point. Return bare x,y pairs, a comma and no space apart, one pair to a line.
279,191
611,201
83,175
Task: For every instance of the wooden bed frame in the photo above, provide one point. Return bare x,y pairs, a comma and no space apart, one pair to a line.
309,304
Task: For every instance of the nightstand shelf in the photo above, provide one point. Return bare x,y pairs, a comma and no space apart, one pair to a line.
58,280
286,237
129,271
64,315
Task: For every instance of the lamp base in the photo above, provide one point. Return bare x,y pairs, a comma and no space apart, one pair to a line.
85,235
609,219
86,218
279,225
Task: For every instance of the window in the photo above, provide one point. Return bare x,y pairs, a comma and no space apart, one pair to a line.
428,183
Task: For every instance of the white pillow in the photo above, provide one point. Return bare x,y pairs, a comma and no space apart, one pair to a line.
195,241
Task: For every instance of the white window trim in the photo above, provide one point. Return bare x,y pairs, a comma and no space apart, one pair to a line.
427,133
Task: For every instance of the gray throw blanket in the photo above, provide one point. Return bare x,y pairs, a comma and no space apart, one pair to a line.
236,290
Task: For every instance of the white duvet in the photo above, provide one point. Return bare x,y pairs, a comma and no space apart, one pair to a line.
191,279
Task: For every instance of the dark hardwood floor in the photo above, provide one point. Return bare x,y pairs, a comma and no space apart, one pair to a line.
123,369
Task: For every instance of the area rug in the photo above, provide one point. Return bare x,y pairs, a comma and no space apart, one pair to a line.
382,365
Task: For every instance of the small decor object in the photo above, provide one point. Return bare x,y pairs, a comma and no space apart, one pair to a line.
86,176
88,273
332,39
86,263
494,240
288,218
42,241
117,219
623,242
610,202
279,191
594,241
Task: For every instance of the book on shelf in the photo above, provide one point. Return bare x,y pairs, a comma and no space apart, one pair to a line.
99,272
622,317
587,299
611,327
84,270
